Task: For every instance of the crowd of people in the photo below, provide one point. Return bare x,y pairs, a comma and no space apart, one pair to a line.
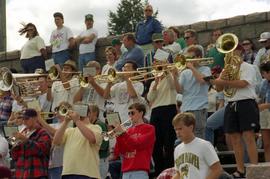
173,112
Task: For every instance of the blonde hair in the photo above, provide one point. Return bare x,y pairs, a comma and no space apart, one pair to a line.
186,118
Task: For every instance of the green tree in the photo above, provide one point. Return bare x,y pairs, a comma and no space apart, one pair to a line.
126,17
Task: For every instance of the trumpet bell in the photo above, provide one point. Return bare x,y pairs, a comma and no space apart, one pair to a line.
6,79
227,43
53,73
83,82
63,109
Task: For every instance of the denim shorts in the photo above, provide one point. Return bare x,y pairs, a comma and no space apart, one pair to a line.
135,175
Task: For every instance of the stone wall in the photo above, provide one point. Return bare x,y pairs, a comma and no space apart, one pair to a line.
244,26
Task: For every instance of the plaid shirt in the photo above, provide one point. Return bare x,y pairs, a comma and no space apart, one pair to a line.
5,107
32,157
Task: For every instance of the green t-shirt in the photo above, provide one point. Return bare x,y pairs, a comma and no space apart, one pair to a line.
218,57
104,148
181,41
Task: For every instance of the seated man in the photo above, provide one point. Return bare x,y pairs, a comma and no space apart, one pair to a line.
194,157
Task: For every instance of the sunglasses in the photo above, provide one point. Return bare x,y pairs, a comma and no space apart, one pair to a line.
159,41
246,43
131,113
29,29
149,10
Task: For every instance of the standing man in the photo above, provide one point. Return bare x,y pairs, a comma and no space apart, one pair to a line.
194,157
146,28
241,119
134,52
61,40
32,154
87,42
264,53
81,147
135,144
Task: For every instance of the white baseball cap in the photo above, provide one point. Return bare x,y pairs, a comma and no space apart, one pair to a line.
264,36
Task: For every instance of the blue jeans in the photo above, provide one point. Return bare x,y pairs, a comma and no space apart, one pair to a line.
61,57
85,58
31,64
215,121
200,117
135,175
55,173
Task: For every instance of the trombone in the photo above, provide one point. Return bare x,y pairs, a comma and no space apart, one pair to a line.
112,134
113,76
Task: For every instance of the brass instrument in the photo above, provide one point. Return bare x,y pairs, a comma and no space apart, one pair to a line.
63,109
112,134
13,141
226,44
6,79
113,76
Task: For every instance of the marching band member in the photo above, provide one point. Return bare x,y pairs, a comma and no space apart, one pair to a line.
195,90
65,89
135,144
31,154
111,57
124,93
241,118
162,97
93,94
81,147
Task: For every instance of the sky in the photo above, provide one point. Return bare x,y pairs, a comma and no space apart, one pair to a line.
171,13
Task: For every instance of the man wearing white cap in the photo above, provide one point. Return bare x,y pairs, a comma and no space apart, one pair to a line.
264,53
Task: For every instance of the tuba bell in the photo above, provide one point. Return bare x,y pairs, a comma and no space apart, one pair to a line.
226,44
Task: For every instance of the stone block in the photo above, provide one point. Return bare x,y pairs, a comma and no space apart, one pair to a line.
103,42
235,30
199,26
256,17
182,28
268,16
217,24
238,20
261,27
204,38
247,30
260,171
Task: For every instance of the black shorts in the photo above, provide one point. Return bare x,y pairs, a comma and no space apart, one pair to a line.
242,116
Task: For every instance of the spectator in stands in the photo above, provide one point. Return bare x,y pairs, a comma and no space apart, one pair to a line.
190,37
213,52
87,42
146,28
119,47
61,40
33,52
264,108
194,157
6,101
169,43
180,40
264,53
111,57
249,53
134,52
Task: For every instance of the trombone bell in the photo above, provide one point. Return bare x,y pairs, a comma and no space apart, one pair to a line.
227,43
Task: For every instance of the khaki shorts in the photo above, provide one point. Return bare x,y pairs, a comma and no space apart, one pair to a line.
265,119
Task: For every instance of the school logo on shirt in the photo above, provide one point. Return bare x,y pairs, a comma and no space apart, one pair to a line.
189,158
184,172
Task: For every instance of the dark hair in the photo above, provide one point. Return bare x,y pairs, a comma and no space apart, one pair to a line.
23,30
215,30
187,118
130,36
134,64
251,42
265,66
58,14
139,107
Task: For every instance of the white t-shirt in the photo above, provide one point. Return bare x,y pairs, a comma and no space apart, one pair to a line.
106,68
247,73
60,94
90,47
193,160
261,55
59,39
121,98
32,48
173,48
3,151
45,105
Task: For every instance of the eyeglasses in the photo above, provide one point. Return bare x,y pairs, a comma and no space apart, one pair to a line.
245,43
29,29
186,38
131,113
159,41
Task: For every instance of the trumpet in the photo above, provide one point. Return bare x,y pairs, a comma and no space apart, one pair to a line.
113,134
6,79
113,76
63,109
13,141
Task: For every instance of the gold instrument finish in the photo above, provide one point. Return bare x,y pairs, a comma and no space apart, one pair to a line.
6,79
227,43
53,73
